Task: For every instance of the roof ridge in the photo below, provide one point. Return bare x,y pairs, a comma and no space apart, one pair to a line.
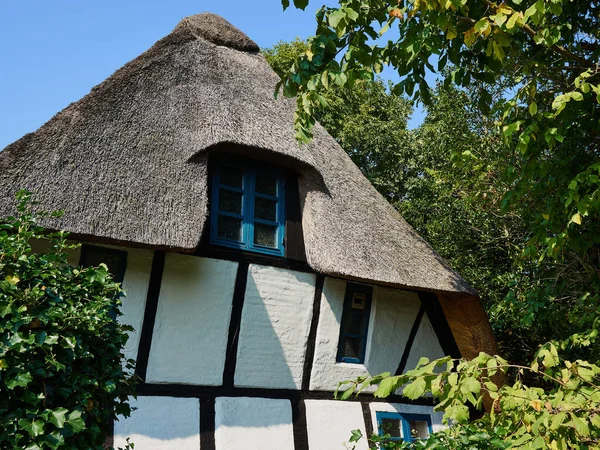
217,30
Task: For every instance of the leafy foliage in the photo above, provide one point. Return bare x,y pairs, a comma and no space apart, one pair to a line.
565,415
61,349
530,70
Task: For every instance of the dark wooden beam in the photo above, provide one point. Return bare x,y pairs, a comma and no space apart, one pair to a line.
156,273
234,324
312,335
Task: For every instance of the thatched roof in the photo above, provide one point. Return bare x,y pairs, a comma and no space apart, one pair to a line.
128,162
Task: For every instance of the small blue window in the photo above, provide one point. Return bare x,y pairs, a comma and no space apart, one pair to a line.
247,209
355,324
406,427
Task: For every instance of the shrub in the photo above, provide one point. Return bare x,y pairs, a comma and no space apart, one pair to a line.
62,375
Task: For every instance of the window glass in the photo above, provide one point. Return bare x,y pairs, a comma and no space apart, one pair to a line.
248,208
401,426
231,176
419,429
115,260
229,228
265,235
266,183
265,209
355,323
391,426
230,201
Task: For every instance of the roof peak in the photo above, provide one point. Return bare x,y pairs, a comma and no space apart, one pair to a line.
217,30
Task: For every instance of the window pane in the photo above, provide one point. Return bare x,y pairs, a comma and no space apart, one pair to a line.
230,201
419,429
115,260
393,427
355,323
229,228
265,235
266,183
265,209
353,347
231,176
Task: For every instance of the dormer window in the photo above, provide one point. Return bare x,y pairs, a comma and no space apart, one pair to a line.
247,208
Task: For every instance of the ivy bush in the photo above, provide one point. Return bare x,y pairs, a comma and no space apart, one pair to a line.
62,375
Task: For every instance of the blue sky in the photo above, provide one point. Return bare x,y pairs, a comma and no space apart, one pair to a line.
54,52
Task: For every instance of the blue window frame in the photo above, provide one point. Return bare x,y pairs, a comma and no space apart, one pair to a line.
247,208
355,324
406,427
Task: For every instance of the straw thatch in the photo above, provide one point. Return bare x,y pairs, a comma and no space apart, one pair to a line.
127,163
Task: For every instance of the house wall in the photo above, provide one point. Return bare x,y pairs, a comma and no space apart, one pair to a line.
161,423
253,424
192,321
243,355
393,313
330,424
274,329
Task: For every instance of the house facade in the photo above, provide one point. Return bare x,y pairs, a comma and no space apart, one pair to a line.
259,273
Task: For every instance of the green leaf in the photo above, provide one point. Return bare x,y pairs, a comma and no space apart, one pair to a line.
415,389
471,385
533,108
32,426
356,436
581,425
482,25
512,21
300,4
75,421
386,387
21,380
58,417
335,17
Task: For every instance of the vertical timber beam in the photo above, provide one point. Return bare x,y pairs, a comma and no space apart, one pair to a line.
312,335
410,341
156,274
234,324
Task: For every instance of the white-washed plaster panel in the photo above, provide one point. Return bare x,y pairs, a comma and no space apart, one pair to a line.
135,284
426,344
393,313
274,328
253,424
161,423
192,321
330,424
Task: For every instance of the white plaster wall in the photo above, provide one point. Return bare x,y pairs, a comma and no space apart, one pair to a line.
135,284
192,321
426,344
330,424
393,313
436,417
161,423
274,328
253,424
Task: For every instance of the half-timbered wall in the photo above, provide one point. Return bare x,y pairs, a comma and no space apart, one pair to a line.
242,354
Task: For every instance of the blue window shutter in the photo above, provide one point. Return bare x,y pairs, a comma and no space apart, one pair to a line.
354,325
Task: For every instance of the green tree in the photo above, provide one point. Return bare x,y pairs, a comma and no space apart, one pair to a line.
530,67
61,350
366,119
